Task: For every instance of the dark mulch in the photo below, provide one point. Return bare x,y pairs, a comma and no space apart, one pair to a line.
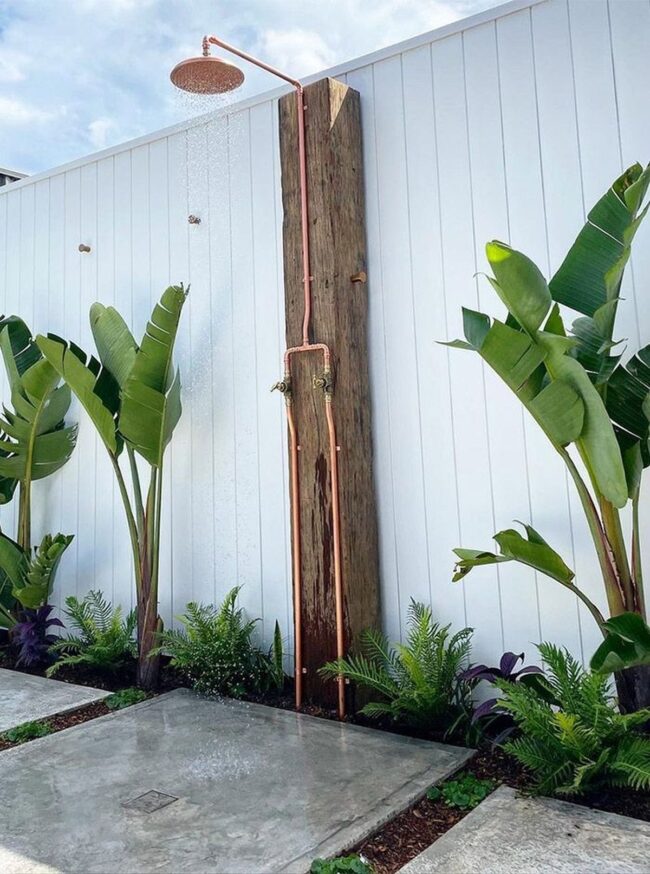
66,720
411,832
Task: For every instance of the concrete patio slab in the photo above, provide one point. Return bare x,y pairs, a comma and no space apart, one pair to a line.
180,783
508,833
24,698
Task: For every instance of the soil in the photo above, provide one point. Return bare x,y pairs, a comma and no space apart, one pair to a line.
401,839
65,720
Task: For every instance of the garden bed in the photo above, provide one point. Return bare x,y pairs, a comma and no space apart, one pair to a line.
400,839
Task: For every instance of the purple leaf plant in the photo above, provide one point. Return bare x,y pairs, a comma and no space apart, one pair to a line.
506,671
30,635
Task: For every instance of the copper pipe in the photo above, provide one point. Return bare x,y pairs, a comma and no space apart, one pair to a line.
302,158
306,346
295,552
336,525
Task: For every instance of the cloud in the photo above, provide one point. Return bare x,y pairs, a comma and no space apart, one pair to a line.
15,112
100,131
94,73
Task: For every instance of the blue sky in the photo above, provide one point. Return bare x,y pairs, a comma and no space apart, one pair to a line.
81,75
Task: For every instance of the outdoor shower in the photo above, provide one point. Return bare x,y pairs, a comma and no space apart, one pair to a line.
209,75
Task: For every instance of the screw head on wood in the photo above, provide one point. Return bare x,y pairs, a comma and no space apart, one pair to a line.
83,247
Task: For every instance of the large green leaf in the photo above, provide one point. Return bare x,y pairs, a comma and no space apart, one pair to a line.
520,285
94,386
151,404
597,443
626,645
34,587
34,443
519,361
590,275
115,344
533,551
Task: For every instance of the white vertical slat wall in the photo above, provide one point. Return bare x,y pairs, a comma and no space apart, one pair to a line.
508,125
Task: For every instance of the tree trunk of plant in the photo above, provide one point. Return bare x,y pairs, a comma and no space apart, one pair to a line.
149,626
633,687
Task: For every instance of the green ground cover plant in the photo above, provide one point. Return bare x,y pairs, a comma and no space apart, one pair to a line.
464,792
352,864
593,407
104,639
125,698
27,731
572,738
418,682
215,650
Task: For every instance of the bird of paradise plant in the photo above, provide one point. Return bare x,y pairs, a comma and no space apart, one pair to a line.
132,394
593,407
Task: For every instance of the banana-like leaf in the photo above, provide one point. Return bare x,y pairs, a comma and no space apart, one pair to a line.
533,551
95,387
626,645
151,396
590,275
596,441
115,344
34,442
13,560
520,285
34,587
519,361
589,278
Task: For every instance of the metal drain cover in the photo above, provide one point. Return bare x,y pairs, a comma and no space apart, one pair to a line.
150,801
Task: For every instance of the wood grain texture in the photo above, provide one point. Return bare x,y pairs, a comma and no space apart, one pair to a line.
339,310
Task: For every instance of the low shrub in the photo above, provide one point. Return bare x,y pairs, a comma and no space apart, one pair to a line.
572,737
464,792
105,640
27,731
31,638
352,864
125,698
419,682
214,650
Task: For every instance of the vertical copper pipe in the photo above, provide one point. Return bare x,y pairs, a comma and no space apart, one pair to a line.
336,525
295,553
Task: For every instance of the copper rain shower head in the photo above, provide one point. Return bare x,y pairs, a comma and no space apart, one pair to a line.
206,75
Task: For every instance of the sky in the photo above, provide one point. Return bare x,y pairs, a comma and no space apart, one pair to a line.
77,76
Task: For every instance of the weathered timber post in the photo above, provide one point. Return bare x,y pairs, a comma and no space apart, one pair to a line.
339,319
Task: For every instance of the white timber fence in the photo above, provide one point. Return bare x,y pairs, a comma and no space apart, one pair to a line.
508,125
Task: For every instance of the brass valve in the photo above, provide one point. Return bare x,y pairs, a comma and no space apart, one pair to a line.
283,386
324,381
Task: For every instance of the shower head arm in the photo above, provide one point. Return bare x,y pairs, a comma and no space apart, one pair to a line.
213,40
304,217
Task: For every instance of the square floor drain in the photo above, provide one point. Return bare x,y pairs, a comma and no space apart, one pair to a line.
150,801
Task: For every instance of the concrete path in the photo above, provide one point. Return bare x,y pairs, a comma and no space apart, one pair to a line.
507,833
24,698
180,784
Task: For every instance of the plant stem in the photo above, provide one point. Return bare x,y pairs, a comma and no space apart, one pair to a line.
608,568
133,528
637,574
614,533
24,534
137,490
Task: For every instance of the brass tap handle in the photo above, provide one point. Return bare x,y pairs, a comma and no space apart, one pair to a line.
323,381
283,386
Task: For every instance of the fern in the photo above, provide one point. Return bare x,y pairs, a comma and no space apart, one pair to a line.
105,640
418,681
581,742
214,650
